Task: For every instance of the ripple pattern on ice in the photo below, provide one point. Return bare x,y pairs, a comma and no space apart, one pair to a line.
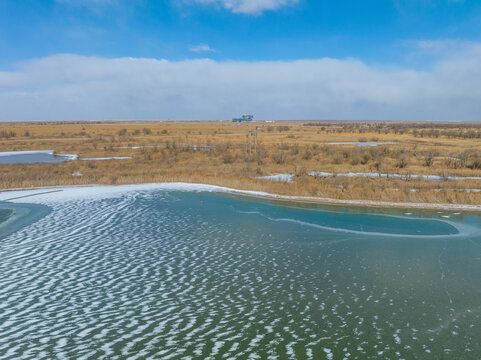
160,275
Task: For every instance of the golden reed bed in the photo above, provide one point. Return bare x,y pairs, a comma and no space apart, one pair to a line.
231,155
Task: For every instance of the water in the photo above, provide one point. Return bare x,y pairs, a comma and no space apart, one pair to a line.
21,157
5,214
177,275
13,217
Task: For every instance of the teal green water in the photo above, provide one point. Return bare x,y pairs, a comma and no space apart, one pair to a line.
16,216
179,275
5,214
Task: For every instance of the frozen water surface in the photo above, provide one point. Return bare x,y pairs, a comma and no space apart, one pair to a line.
17,157
157,272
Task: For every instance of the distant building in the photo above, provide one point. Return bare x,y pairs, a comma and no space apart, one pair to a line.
244,118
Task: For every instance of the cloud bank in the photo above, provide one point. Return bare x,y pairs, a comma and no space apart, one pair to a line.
71,87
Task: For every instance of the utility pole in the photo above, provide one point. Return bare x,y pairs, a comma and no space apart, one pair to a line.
255,141
250,142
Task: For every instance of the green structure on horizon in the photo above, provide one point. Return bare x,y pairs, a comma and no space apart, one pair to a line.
245,117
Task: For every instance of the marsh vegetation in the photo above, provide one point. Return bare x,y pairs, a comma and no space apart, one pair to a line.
221,153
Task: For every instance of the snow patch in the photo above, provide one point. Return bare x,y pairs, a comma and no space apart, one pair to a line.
108,158
277,177
394,176
56,194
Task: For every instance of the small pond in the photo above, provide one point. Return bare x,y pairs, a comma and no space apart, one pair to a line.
40,156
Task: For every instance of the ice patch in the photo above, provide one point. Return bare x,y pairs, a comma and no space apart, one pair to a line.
108,158
394,176
329,354
53,194
29,152
34,152
61,194
461,231
278,177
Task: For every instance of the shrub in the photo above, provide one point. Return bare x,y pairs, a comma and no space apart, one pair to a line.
355,160
279,158
338,159
295,149
283,128
302,171
228,158
7,134
402,162
452,163
476,163
365,158
260,156
307,155
429,159
378,165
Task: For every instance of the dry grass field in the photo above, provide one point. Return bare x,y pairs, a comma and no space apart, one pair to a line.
227,154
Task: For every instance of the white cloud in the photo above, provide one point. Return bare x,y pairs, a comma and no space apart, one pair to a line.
66,87
255,7
202,48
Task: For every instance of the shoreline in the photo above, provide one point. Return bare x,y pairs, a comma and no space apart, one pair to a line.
248,193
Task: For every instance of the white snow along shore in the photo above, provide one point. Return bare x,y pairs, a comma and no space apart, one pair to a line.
48,195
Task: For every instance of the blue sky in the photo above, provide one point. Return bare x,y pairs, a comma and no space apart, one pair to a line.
385,38
381,31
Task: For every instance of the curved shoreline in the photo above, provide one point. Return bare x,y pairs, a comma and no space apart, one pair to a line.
14,194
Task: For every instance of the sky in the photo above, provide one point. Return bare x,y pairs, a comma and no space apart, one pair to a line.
217,59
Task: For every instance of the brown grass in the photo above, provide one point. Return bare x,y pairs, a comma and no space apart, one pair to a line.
221,153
